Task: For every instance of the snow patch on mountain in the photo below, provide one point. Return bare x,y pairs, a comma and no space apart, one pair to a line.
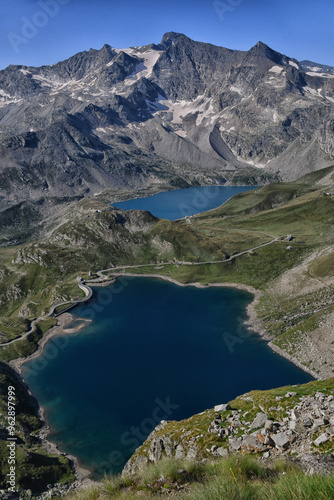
156,105
45,82
322,75
294,64
315,93
201,106
143,69
128,51
181,133
276,69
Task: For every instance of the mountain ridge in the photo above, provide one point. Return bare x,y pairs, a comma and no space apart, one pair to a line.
181,111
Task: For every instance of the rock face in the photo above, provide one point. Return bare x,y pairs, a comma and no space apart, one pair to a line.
297,432
259,421
306,428
178,111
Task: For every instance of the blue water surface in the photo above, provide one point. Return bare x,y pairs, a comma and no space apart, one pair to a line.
153,351
177,204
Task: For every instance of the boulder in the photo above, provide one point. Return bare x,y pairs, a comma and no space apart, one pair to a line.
323,438
260,437
307,421
281,440
192,453
269,441
268,426
223,407
179,452
297,426
235,443
216,428
295,414
259,421
318,422
252,444
222,452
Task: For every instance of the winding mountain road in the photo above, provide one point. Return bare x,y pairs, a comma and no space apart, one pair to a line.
88,291
112,269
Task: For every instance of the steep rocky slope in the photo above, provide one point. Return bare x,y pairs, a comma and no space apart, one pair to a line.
175,113
263,445
295,420
35,467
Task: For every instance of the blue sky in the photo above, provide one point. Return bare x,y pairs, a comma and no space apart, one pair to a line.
36,32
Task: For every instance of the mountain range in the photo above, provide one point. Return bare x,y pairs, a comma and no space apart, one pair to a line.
177,113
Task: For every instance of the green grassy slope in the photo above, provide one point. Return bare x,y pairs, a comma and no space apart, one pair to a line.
93,236
236,477
233,478
96,237
35,468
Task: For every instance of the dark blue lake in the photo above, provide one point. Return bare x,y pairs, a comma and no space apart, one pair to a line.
177,204
153,351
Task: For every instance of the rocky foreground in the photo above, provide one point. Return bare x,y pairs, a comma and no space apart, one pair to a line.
273,424
309,423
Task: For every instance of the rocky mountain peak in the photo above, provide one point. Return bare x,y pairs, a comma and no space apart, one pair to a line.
106,51
171,38
261,46
77,66
151,46
261,50
100,113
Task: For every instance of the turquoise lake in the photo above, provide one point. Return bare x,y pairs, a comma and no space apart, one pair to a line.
177,204
153,351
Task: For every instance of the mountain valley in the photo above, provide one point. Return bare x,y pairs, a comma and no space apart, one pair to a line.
113,124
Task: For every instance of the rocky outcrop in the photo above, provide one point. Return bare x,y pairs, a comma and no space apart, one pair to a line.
304,430
161,447
308,424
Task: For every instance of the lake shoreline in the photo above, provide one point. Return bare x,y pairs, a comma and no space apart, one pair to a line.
201,202
253,322
82,474
64,320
